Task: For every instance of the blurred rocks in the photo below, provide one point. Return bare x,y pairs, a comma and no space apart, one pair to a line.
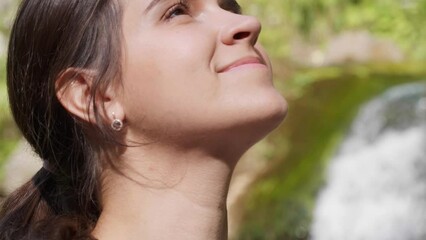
305,53
7,9
20,167
4,4
2,45
347,47
361,47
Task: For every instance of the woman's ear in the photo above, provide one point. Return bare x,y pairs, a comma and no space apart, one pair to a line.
74,88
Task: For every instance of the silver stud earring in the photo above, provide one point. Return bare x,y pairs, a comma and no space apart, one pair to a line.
116,124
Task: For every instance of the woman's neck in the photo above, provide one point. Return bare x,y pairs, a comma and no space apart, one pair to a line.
166,194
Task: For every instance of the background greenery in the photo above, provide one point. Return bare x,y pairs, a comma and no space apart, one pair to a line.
9,135
317,20
323,100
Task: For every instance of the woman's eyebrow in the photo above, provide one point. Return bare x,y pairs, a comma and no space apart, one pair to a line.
151,5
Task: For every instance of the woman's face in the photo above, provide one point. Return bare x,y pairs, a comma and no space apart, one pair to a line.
192,67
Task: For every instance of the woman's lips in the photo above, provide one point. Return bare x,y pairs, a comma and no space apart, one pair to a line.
243,62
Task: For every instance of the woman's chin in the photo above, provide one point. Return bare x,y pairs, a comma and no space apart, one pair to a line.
254,122
269,114
250,128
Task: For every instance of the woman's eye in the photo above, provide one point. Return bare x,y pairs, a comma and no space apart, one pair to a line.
176,10
232,6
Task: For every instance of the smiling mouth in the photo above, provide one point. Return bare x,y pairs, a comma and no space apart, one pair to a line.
243,62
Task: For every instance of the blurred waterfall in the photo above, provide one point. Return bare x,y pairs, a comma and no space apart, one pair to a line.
376,183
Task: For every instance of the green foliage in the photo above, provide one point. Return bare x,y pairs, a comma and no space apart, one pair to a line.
280,205
316,20
322,101
9,134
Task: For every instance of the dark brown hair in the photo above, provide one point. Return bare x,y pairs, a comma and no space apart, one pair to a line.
62,200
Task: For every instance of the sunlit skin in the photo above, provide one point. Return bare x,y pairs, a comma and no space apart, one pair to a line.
198,88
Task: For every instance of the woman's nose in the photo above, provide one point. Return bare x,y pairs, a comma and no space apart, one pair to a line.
240,28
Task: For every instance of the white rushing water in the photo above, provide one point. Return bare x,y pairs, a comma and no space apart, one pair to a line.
376,183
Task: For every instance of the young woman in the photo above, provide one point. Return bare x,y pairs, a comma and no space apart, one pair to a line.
140,110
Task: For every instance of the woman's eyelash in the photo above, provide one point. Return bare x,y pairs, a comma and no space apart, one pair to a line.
179,8
232,6
182,8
